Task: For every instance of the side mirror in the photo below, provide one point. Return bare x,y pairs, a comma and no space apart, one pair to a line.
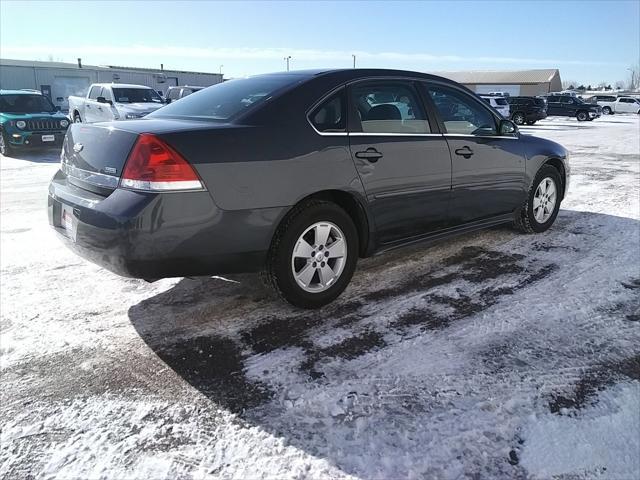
508,128
103,100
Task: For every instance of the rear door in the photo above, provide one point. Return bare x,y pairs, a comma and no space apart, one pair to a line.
568,106
627,105
403,162
487,169
553,105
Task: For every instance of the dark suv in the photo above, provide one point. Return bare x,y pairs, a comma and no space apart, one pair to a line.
527,109
568,106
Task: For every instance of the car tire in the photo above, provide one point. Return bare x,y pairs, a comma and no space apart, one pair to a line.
582,116
295,271
5,148
77,118
531,122
529,218
519,118
606,111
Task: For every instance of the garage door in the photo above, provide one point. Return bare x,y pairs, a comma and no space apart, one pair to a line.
64,86
513,90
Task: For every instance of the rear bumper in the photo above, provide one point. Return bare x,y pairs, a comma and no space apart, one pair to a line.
151,236
535,116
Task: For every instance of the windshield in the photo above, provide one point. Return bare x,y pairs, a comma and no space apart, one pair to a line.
223,101
21,103
501,101
136,95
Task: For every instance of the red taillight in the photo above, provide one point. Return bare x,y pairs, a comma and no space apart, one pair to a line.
155,166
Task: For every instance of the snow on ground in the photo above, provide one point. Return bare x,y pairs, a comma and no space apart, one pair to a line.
494,355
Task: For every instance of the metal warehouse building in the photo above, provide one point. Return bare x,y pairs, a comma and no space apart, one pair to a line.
59,80
520,82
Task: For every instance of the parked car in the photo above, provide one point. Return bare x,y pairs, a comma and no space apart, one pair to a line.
29,119
527,109
611,104
319,169
176,93
499,94
569,106
499,103
113,101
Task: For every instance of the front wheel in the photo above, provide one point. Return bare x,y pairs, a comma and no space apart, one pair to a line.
543,202
582,116
606,110
518,118
313,255
5,148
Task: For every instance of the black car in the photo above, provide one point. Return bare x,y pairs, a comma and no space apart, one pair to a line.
527,109
568,106
299,174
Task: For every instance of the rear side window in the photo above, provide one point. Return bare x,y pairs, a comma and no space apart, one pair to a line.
460,113
174,94
389,107
330,116
226,100
501,101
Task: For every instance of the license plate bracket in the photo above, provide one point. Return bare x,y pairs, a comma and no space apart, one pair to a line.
69,222
48,138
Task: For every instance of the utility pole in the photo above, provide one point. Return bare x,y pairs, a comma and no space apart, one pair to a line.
221,69
354,60
287,60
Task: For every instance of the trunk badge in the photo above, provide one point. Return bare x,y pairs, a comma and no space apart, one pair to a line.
77,147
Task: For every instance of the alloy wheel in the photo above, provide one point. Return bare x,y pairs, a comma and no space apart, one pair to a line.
319,257
544,200
518,119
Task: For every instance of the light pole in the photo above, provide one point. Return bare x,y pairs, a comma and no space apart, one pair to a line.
287,60
221,69
354,60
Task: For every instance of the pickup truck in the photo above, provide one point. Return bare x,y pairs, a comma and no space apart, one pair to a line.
176,93
610,104
113,101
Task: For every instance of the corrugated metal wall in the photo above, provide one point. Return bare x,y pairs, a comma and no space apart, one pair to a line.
75,81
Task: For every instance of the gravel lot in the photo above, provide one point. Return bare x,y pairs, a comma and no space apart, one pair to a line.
495,355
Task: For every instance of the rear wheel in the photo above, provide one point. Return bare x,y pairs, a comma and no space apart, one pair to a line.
519,118
606,110
76,118
582,116
313,255
5,148
543,202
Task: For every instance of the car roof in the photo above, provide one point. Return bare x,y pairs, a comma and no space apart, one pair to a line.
355,73
121,85
20,92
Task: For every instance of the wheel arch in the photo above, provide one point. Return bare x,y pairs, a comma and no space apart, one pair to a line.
558,165
356,208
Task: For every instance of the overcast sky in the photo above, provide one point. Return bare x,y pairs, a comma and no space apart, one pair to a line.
589,41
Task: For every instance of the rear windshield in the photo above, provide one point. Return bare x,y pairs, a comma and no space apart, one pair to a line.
21,103
225,100
136,95
502,101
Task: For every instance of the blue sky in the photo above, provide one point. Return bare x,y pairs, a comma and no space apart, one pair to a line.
590,41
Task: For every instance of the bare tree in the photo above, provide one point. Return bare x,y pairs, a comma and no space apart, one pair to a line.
619,85
634,77
569,84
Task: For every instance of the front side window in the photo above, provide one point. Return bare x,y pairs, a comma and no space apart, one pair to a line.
174,93
94,92
389,107
567,100
330,116
460,113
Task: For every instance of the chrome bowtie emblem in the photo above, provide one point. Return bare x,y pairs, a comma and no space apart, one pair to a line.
77,147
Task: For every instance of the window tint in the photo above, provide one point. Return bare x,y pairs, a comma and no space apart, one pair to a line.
501,101
462,114
553,99
389,108
94,92
228,99
330,115
567,100
627,100
136,95
106,94
174,94
487,100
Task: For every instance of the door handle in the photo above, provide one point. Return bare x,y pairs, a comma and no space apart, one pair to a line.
370,154
465,151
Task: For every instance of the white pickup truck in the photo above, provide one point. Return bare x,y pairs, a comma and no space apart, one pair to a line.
113,101
611,104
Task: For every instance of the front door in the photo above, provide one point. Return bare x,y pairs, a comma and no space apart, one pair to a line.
404,165
488,170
